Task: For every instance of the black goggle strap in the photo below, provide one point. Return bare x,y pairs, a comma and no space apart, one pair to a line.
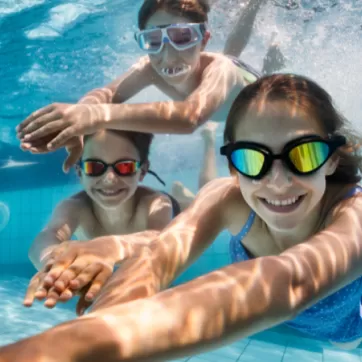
157,177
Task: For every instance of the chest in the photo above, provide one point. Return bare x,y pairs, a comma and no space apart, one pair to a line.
90,227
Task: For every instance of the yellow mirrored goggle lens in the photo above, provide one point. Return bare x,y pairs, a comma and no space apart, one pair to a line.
309,156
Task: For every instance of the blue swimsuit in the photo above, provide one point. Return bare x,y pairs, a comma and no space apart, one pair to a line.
335,318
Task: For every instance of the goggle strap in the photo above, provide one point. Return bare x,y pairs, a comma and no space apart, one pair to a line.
157,177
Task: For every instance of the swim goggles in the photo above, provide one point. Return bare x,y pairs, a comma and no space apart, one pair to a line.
302,156
180,36
93,167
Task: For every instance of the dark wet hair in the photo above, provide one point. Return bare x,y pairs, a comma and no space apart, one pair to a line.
142,142
194,10
311,98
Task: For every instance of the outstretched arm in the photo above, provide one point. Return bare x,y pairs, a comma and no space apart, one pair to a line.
222,306
64,121
60,228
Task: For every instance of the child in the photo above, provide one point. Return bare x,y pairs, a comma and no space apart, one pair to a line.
294,205
112,202
202,85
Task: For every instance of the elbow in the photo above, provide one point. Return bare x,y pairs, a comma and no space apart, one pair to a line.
291,291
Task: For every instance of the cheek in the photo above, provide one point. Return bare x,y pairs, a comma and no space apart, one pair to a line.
248,187
155,59
191,56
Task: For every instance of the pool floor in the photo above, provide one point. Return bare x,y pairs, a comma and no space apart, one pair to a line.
276,345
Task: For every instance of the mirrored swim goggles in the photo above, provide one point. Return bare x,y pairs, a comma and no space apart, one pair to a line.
180,36
93,167
302,156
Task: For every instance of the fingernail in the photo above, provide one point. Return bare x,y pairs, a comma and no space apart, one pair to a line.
27,136
89,297
49,146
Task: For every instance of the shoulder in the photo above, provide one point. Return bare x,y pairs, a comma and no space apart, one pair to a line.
150,199
340,201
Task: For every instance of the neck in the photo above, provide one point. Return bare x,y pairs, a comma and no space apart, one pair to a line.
285,239
191,82
120,215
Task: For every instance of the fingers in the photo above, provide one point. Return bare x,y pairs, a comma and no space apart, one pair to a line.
38,122
34,285
97,284
62,282
44,128
73,157
82,305
61,139
53,297
62,263
20,128
86,276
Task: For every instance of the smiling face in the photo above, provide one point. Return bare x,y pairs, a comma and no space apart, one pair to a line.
175,66
281,198
110,190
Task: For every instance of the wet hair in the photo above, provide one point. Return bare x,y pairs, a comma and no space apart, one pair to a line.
305,94
194,10
142,142
308,96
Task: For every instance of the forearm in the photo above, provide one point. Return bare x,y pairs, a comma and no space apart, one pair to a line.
131,245
134,279
228,304
158,117
215,309
42,247
98,96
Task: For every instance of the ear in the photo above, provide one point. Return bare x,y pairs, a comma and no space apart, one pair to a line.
206,39
332,165
144,169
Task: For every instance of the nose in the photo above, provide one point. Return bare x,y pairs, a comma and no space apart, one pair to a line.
279,178
169,53
110,176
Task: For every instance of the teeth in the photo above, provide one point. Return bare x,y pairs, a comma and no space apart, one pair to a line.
109,192
175,70
286,202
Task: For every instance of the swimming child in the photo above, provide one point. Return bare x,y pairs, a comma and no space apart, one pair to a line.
174,34
294,206
112,202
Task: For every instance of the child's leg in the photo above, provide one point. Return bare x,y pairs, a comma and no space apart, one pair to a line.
348,345
183,195
239,37
208,169
274,59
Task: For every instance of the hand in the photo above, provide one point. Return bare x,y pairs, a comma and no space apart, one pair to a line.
82,267
53,126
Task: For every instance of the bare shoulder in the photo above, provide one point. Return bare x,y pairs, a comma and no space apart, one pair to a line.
78,201
231,203
148,198
351,205
211,60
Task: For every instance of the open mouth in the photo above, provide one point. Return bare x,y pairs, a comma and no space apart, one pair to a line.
284,206
110,193
175,71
